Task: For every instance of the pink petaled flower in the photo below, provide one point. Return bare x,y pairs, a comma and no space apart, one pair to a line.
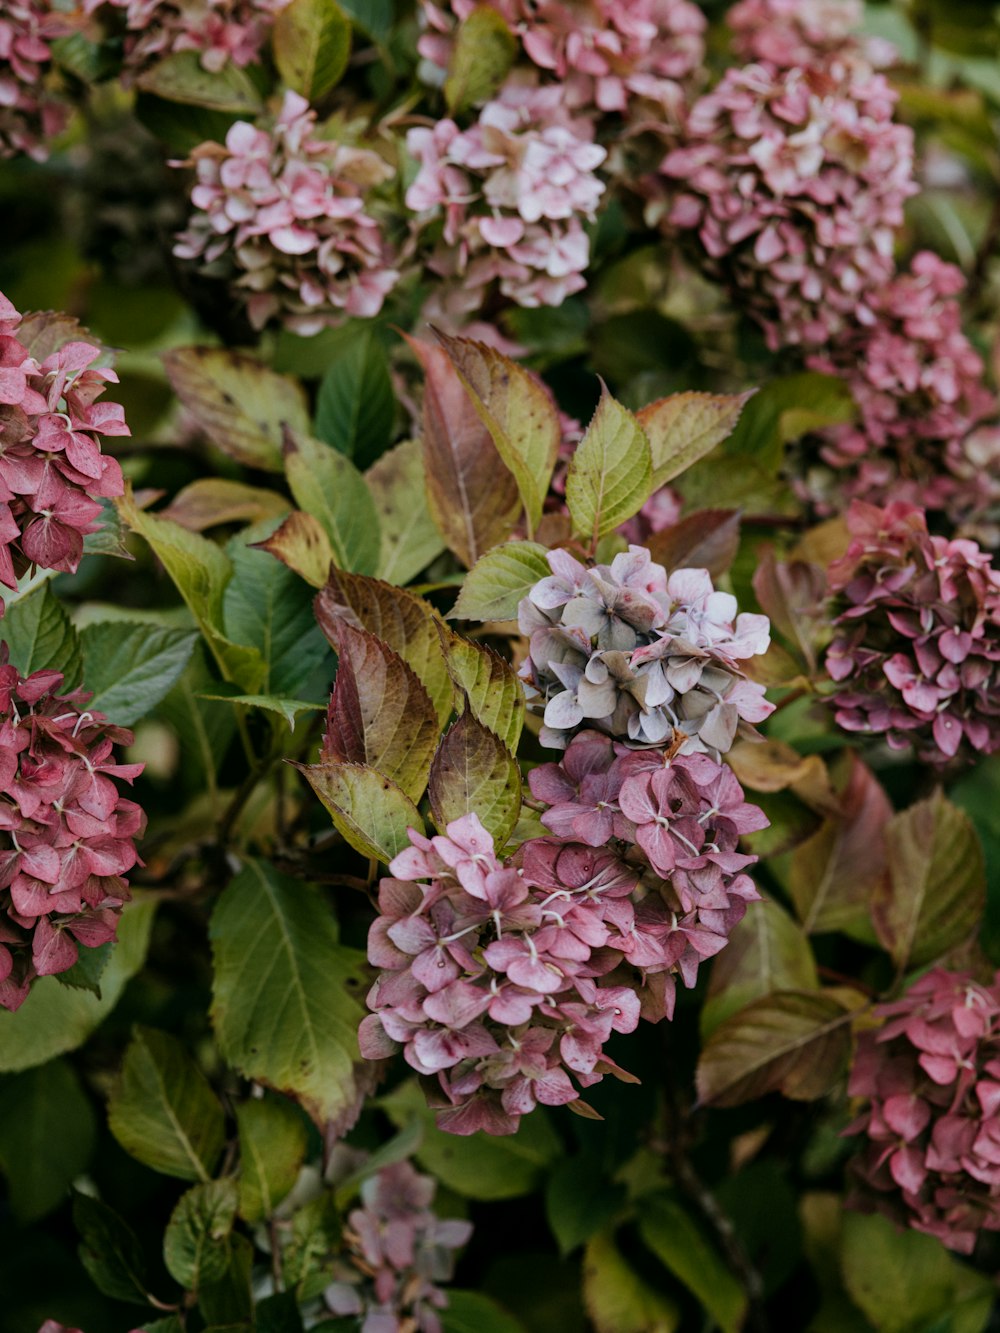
283,213
792,184
511,194
219,30
789,33
53,474
30,115
917,649
396,1252
930,1076
67,836
641,656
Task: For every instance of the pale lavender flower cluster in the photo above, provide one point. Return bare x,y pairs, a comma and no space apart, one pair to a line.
793,181
931,1077
605,54
219,30
29,114
283,213
512,193
639,655
397,1251
917,649
788,33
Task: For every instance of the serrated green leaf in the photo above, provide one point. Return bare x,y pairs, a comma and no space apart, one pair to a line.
356,406
370,811
289,709
273,1143
86,972
610,475
312,43
489,685
48,1131
410,539
196,1247
685,427
130,668
40,636
330,488
473,772
499,580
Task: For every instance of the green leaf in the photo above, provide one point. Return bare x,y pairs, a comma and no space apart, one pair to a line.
301,543
55,1019
369,810
278,1314
514,406
934,894
497,582
40,636
667,1228
580,1201
109,539
245,409
767,952
282,1005
618,1300
86,972
130,668
203,729
380,715
794,1042
227,1305
489,685
786,409
273,1143
312,43
306,1252
289,709
473,772
900,1279
374,17
163,1110
472,1312
109,1250
180,77
356,406
610,475
483,53
330,488
48,1131
685,427
196,1243
410,539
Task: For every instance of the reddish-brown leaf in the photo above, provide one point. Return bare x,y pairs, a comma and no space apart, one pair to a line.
706,540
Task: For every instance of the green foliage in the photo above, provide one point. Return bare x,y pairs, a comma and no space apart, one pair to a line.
40,635
484,51
312,43
129,669
369,810
355,405
328,486
474,772
196,1243
611,473
48,1131
498,582
273,1145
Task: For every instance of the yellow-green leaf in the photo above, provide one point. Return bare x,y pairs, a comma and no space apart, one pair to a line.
611,474
368,809
474,772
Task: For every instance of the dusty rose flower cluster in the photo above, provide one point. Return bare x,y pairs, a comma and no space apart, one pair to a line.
512,192
917,649
283,212
53,474
29,114
398,1250
640,655
918,385
603,54
931,1074
67,836
219,30
787,33
793,181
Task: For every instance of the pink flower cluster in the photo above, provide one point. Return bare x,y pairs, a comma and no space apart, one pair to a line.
219,30
918,384
67,837
512,192
917,647
603,54
282,213
398,1250
790,33
640,655
793,181
931,1074
29,114
52,472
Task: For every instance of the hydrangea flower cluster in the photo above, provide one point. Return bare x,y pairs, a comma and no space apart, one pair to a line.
603,54
793,181
917,646
53,474
918,385
219,30
931,1074
790,33
283,214
398,1251
513,192
640,655
29,114
67,836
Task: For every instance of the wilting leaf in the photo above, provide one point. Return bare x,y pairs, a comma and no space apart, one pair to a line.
130,668
407,623
210,501
40,635
489,684
164,1111
793,1042
610,476
618,1300
472,496
517,410
368,809
330,488
686,426
302,544
772,765
244,408
498,582
792,594
677,1241
767,952
410,538
181,77
196,1244
282,1003
474,772
935,890
706,540
484,51
355,405
312,43
380,715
